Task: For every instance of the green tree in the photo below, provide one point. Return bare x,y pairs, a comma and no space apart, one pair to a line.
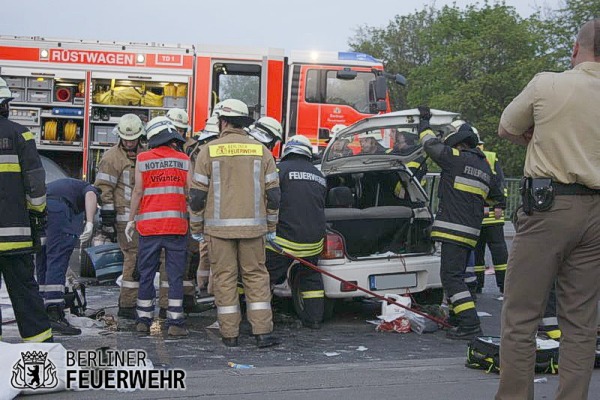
473,61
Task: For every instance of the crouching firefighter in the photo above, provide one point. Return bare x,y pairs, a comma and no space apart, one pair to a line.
301,229
464,186
115,179
159,200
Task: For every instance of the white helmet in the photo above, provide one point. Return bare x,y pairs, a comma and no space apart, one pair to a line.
298,144
5,93
130,127
216,109
211,129
336,128
234,110
161,130
179,117
271,125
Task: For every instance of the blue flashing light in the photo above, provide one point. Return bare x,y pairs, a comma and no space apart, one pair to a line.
355,56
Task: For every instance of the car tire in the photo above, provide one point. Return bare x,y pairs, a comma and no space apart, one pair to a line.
429,296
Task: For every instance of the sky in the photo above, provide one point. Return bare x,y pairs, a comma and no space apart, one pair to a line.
323,25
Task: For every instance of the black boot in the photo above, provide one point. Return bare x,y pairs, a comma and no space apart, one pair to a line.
127,312
464,332
230,341
59,324
266,340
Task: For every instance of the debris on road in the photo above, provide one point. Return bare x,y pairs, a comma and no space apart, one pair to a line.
239,366
331,353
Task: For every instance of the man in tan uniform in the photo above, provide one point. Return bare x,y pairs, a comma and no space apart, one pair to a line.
557,117
235,201
116,173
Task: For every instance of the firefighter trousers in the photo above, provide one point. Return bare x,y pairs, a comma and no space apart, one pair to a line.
227,256
189,289
452,273
32,320
560,246
53,261
491,236
129,285
306,284
203,273
149,257
470,277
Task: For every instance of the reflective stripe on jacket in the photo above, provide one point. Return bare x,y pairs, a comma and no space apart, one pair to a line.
235,189
22,186
163,209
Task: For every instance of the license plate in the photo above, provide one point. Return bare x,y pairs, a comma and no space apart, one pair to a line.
393,281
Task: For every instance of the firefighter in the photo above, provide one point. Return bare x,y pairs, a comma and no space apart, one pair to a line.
115,179
301,228
268,131
179,117
464,185
235,199
492,229
69,201
159,207
369,143
23,204
199,257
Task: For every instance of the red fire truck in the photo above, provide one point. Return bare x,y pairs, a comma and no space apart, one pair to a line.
71,93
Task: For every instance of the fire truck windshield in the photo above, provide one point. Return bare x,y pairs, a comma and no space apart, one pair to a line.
354,93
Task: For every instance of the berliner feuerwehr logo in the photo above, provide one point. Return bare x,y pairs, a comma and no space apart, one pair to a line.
34,371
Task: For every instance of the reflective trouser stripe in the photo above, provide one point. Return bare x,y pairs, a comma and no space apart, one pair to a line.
500,267
456,227
5,246
54,301
259,305
188,283
479,268
175,303
52,288
47,334
460,296
228,309
174,315
550,321
454,238
145,314
313,294
145,303
203,272
130,284
462,307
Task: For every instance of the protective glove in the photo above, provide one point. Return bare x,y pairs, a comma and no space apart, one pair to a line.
130,230
87,232
424,117
108,217
198,237
270,236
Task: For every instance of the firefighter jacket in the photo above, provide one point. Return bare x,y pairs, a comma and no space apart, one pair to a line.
163,208
235,189
498,179
116,180
301,226
465,184
22,187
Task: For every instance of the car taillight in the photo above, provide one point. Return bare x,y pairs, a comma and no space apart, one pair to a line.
333,247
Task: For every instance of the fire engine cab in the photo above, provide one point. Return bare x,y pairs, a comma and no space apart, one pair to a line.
71,93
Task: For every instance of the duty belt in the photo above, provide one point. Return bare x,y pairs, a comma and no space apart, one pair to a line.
562,189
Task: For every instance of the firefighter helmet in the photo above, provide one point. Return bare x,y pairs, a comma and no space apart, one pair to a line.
5,93
336,128
179,117
298,144
211,129
160,131
271,125
234,111
130,127
462,132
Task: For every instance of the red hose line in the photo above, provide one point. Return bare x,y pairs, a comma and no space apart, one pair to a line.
278,248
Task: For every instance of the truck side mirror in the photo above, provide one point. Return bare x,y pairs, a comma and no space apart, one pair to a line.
400,79
380,88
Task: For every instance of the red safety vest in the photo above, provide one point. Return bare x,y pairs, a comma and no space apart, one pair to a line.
163,209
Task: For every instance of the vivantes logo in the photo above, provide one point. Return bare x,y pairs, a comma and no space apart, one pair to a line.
34,371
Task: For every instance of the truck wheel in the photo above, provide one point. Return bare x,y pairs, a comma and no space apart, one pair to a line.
429,296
